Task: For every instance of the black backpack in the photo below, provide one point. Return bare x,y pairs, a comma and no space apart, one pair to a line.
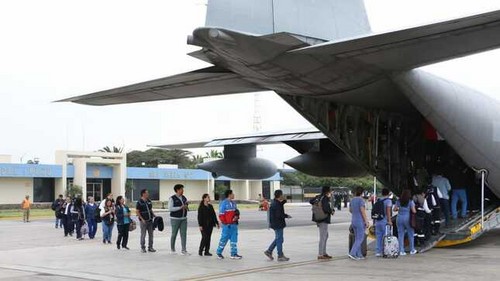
97,214
378,211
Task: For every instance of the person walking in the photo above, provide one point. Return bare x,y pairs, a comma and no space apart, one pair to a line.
26,207
359,223
207,220
405,207
78,217
90,209
460,178
144,211
108,221
277,222
67,222
324,199
56,207
229,216
122,222
444,186
178,207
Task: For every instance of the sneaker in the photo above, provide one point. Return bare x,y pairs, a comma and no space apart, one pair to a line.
151,250
378,255
143,250
322,258
236,257
220,256
207,254
185,253
402,253
126,248
283,258
361,258
353,257
269,255
327,256
173,253
109,242
413,252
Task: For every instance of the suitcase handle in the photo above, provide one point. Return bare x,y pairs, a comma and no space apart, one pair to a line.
388,230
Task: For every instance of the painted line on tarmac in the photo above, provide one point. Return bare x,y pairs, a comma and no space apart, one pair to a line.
261,269
63,273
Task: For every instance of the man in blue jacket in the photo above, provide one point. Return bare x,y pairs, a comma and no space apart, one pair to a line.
277,222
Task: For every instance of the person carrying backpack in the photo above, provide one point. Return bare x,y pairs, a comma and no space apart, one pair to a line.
322,213
382,216
56,207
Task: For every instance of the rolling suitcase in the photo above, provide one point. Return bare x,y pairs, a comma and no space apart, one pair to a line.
364,244
391,244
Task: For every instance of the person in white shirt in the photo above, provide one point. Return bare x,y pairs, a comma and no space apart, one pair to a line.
444,187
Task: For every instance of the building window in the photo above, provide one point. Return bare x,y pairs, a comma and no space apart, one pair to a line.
153,187
43,189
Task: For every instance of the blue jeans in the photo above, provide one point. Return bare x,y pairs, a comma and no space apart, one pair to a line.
107,231
380,232
92,227
278,242
229,232
403,223
359,236
59,222
459,194
445,208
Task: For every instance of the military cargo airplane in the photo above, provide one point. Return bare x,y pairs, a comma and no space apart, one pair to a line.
375,111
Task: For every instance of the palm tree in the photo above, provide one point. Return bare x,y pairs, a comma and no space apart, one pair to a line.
114,150
214,154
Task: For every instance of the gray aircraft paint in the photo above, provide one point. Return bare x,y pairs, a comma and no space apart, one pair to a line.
465,117
370,72
322,19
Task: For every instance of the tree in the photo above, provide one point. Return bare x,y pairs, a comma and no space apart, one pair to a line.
195,160
113,150
214,154
74,191
300,179
155,156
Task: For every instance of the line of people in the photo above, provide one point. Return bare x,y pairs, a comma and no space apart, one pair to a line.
74,215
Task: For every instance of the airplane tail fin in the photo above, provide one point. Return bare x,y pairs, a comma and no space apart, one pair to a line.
320,19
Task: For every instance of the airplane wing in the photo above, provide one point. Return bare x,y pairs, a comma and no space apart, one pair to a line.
257,139
410,48
203,82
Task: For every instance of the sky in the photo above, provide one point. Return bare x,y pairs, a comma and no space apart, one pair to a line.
50,50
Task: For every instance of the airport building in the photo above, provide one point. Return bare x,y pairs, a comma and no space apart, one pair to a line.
99,173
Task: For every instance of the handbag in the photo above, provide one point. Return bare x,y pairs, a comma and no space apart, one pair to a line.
85,229
132,226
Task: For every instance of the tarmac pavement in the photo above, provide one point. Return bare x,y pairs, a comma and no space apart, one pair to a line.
38,251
